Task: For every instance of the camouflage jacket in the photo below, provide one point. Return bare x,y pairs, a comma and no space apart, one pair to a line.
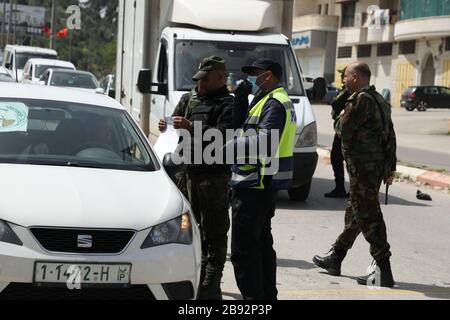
366,129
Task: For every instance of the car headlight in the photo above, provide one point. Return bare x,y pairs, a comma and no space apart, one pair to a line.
7,234
178,230
308,138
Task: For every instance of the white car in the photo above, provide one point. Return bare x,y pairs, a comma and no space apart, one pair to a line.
34,68
85,204
74,79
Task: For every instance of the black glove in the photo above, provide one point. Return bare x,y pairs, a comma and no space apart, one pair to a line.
243,90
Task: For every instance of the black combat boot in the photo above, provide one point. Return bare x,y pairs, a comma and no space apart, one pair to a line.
332,261
338,192
383,272
210,288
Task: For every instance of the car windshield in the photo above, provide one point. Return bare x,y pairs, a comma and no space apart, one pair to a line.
56,133
74,80
40,69
237,54
22,58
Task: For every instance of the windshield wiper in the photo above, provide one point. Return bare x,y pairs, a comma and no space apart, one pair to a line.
85,165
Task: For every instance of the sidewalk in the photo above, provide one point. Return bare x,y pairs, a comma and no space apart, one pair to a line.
430,178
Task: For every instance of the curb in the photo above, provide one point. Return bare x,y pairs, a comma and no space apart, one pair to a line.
434,179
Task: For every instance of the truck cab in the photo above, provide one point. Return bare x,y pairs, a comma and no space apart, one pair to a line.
15,58
189,33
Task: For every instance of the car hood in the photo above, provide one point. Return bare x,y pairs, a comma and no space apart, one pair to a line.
86,198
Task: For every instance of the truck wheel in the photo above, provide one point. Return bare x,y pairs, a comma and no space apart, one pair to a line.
301,193
422,107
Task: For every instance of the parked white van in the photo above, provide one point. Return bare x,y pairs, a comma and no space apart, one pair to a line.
34,68
15,58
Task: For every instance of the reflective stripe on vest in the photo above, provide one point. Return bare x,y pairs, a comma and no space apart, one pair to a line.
252,176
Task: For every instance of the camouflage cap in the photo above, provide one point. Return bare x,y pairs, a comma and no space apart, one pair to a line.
208,64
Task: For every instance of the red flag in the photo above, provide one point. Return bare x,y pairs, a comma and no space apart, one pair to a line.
46,30
63,33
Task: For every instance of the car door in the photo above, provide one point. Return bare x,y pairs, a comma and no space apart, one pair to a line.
431,96
445,97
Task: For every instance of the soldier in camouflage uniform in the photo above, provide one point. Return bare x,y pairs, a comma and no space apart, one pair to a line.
207,186
337,158
369,147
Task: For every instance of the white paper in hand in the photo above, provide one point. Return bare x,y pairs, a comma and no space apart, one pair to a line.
167,142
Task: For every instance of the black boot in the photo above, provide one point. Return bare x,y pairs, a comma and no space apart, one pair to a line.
210,288
332,261
382,275
338,192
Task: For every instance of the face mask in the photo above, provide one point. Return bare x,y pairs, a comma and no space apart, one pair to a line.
253,80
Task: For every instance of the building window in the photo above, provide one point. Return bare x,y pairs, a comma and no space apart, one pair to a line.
326,8
447,44
319,9
384,49
364,51
348,14
407,47
344,52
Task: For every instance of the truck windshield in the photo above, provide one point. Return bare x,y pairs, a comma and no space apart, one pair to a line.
189,53
22,58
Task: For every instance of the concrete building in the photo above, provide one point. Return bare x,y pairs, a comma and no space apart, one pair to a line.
314,37
407,45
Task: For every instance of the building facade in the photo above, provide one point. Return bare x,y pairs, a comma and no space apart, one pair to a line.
405,43
314,37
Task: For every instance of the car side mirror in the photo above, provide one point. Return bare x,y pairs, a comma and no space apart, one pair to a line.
172,163
8,65
99,91
42,83
145,84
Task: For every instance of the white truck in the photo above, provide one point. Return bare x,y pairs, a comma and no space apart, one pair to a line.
170,37
15,58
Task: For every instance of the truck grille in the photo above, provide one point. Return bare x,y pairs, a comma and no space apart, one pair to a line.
74,240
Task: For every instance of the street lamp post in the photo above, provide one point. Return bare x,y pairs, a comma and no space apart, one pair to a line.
2,32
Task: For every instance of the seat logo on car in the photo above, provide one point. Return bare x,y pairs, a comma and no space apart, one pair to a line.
84,241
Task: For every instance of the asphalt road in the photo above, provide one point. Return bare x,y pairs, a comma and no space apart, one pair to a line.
422,138
419,234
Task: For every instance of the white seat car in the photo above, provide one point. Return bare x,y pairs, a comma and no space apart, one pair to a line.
34,68
85,205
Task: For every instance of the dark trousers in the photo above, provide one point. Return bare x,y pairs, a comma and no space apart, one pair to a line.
209,198
363,213
252,253
337,162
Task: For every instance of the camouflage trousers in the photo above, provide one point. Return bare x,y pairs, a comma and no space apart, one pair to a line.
363,213
209,198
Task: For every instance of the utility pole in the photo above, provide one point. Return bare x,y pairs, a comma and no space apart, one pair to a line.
15,23
53,26
10,22
2,32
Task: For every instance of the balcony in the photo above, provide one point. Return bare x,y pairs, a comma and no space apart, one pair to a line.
352,35
316,22
381,34
422,27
